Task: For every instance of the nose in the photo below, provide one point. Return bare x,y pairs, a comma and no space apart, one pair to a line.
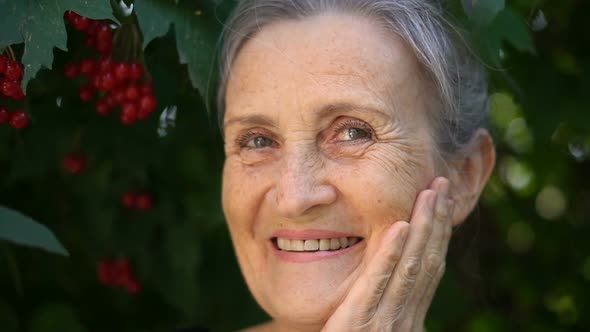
302,185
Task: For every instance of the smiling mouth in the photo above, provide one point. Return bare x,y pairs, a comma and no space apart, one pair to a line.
331,244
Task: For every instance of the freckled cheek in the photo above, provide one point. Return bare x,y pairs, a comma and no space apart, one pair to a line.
242,193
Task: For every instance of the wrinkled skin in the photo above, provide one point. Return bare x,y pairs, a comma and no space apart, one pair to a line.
328,126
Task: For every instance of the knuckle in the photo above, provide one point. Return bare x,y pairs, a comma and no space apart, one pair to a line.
410,269
432,264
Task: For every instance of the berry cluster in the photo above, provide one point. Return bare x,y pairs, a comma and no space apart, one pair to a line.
99,35
142,201
111,84
10,86
118,272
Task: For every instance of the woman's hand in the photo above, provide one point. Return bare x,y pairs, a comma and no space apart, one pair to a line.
396,290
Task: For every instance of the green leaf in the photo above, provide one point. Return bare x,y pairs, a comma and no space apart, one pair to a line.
509,27
40,24
195,35
20,229
483,12
514,29
12,15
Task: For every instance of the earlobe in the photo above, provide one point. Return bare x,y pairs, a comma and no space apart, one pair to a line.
471,172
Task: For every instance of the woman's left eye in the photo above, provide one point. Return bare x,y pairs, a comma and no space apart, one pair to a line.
353,130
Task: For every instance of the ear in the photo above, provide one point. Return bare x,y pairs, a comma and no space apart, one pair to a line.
470,172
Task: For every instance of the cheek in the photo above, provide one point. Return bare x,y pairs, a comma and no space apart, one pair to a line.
243,189
384,184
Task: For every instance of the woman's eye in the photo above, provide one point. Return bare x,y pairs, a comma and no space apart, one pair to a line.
254,141
259,142
356,133
353,130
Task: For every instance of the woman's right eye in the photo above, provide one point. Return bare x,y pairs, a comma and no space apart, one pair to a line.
255,140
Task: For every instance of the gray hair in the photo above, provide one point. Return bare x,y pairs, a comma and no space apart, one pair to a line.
458,77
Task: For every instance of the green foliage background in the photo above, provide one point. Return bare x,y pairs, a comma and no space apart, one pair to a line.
521,263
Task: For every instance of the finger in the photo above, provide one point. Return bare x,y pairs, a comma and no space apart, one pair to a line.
363,299
433,259
406,273
431,288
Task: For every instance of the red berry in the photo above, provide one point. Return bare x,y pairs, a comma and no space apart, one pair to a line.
18,94
4,115
144,201
90,42
93,27
104,32
104,47
19,119
132,92
87,66
86,92
74,163
109,100
105,64
70,16
2,64
104,271
128,200
135,70
9,88
71,70
13,70
128,113
81,23
146,88
122,71
119,95
121,271
142,114
147,103
97,81
102,107
108,81
133,286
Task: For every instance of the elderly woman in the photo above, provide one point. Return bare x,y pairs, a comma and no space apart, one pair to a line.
354,142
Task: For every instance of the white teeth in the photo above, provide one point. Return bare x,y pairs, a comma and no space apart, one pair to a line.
287,244
334,244
325,244
311,245
297,245
343,242
315,245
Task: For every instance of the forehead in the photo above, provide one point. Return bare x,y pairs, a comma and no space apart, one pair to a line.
329,58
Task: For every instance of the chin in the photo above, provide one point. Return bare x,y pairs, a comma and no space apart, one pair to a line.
306,291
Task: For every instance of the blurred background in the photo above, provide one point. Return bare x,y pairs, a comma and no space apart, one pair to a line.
121,159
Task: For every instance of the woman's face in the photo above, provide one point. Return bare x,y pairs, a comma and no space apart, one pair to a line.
327,136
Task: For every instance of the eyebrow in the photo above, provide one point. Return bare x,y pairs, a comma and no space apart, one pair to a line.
324,111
